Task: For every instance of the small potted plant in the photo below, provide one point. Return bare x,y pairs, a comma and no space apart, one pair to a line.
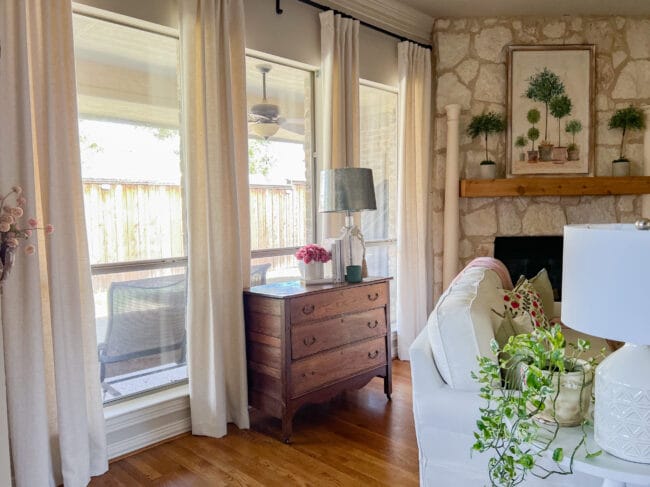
555,390
484,125
312,257
625,119
573,127
543,87
520,143
533,116
560,107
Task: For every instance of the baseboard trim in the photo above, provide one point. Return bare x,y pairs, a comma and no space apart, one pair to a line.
148,438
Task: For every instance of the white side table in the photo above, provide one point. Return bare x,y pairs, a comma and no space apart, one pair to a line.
614,471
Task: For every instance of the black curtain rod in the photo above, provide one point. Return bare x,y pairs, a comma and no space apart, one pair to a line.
279,10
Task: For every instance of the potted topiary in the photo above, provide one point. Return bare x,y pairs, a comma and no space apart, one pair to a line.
554,381
560,107
486,124
573,127
520,143
625,119
533,116
543,87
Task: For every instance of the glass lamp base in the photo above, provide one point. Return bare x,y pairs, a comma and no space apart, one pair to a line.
622,408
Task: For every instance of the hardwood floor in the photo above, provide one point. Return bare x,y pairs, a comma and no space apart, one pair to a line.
359,438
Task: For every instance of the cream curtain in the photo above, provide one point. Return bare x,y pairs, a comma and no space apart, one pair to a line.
339,76
56,419
215,154
414,281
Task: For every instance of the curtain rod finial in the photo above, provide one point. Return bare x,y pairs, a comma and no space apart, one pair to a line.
278,9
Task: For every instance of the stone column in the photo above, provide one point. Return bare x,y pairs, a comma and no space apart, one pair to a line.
645,199
451,232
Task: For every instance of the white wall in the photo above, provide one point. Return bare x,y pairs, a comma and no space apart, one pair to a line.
295,35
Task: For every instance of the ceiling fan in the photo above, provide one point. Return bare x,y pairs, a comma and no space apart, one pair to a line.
264,118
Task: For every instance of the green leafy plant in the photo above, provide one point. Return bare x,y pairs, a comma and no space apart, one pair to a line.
507,426
533,117
626,119
521,141
533,135
543,87
573,127
560,107
484,125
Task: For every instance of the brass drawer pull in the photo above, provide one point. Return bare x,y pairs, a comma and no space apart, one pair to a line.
373,325
373,298
308,309
374,354
309,341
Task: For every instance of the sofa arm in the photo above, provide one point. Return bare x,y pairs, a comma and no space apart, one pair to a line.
435,404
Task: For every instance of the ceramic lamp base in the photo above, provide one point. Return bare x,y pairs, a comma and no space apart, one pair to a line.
622,408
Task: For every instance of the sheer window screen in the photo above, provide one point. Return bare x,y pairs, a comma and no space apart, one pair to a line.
378,125
127,92
280,170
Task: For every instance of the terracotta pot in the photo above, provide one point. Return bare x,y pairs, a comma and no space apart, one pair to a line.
488,171
574,155
620,168
533,156
7,258
560,155
545,152
571,406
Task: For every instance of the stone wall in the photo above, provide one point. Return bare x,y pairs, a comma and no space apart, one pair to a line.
470,59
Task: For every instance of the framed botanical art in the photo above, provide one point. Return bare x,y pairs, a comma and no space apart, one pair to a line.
550,110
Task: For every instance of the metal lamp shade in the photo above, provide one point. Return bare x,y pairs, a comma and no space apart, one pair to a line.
347,189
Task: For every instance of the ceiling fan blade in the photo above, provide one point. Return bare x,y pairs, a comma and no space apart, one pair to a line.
295,125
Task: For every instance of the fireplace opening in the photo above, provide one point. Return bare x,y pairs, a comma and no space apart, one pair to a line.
529,255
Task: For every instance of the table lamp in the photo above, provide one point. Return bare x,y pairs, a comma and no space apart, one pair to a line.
348,190
605,291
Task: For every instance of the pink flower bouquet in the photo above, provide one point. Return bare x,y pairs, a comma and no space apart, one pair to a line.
313,253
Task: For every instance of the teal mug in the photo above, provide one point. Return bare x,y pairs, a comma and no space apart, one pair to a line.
353,273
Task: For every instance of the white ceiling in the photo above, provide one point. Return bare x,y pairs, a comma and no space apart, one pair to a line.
490,8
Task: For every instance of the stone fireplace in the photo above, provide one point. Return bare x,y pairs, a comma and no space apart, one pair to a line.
528,255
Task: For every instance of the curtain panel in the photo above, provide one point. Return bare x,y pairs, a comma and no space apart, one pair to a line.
215,157
56,420
414,276
340,127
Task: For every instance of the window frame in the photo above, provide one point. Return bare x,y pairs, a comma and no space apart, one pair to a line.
147,264
312,165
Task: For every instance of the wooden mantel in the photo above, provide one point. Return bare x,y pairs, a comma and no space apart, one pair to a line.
554,186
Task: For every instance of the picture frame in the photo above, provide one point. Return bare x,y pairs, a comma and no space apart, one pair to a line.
551,90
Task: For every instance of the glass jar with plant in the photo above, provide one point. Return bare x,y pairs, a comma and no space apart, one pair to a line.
533,117
520,143
519,427
573,127
625,119
560,107
543,86
484,125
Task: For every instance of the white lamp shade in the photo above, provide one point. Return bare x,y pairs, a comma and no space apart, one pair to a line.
605,281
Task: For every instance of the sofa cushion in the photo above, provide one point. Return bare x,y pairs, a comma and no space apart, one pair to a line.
525,300
543,286
462,324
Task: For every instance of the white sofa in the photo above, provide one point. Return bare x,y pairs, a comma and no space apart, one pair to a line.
445,417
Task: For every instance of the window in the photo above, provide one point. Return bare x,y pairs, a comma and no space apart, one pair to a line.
130,155
280,166
378,124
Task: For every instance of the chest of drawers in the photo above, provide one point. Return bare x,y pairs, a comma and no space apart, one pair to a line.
306,344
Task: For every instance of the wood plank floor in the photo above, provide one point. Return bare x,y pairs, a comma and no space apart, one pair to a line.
359,438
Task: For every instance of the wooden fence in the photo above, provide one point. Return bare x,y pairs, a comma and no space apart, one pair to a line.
132,221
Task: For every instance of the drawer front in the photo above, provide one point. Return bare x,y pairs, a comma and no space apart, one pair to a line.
341,301
328,367
310,338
